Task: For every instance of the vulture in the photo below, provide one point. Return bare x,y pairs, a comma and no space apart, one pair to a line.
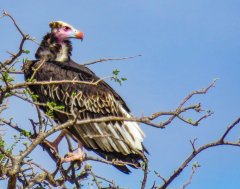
120,141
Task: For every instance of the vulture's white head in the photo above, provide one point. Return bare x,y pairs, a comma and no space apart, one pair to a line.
62,30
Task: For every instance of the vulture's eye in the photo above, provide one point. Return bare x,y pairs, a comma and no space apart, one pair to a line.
66,28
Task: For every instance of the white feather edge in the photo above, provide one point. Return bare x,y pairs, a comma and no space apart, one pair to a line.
134,129
130,138
126,138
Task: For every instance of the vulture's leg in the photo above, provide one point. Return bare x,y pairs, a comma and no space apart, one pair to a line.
74,156
55,143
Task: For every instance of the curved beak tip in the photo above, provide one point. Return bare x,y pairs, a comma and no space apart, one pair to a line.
79,35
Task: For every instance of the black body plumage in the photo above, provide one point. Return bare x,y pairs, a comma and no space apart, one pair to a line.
114,140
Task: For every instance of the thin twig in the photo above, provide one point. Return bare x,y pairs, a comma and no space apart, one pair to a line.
145,173
194,168
95,180
107,180
5,13
160,176
110,59
193,144
38,67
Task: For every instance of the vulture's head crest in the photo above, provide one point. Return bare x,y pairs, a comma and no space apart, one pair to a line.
63,30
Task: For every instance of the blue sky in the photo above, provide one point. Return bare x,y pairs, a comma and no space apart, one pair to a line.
185,45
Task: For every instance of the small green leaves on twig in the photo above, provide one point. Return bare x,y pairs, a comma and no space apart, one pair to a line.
6,77
53,106
116,77
29,93
26,133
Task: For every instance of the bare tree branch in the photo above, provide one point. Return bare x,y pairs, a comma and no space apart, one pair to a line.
25,37
195,152
110,59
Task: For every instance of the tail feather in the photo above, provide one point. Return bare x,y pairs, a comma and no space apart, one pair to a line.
122,161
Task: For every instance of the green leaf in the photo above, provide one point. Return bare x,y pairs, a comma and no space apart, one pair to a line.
116,79
123,78
190,120
26,133
115,72
26,51
34,97
49,113
30,80
2,143
74,94
25,60
25,144
27,92
53,106
7,78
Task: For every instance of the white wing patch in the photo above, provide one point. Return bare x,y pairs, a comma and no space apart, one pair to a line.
133,131
124,137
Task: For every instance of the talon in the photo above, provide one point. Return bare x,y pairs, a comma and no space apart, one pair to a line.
70,157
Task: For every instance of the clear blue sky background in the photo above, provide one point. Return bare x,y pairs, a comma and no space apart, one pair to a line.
185,45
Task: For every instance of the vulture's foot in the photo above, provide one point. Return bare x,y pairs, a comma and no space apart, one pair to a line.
70,157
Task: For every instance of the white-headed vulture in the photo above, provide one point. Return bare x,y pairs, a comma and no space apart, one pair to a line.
112,140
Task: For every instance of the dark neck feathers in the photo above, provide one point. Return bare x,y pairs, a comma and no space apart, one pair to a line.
51,50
